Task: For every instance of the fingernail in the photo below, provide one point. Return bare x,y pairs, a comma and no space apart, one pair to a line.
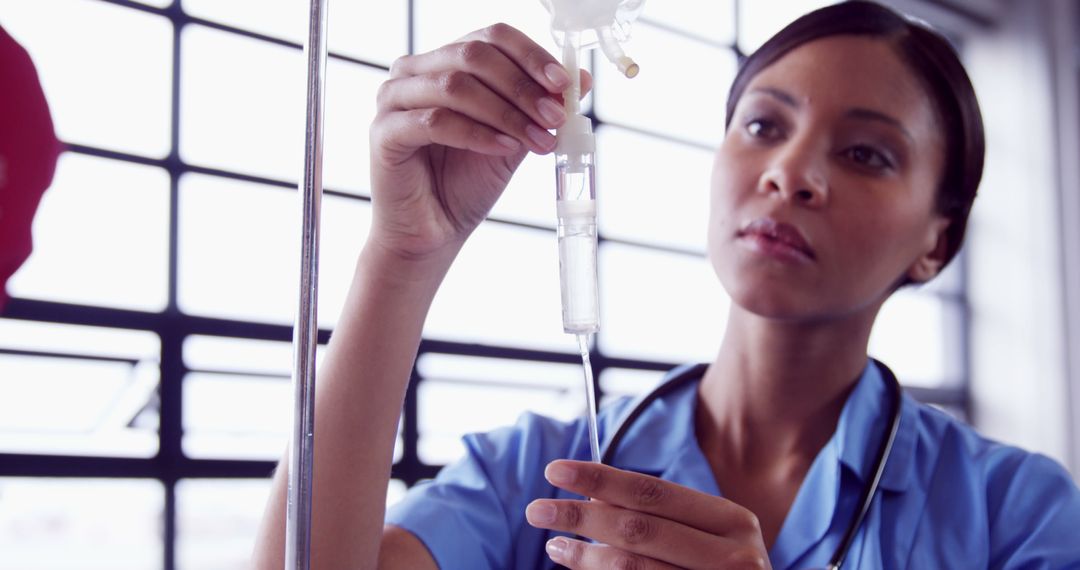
540,513
556,548
551,111
540,137
559,474
508,141
557,75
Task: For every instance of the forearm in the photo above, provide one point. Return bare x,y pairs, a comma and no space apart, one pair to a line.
359,393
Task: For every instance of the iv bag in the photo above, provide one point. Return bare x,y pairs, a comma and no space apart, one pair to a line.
588,17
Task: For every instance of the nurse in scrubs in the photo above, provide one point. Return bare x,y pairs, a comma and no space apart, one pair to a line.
853,151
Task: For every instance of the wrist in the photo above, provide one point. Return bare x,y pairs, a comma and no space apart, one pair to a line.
398,270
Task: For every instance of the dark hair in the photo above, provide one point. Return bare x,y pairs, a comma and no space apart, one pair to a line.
936,63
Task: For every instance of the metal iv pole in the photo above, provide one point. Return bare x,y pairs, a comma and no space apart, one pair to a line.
306,328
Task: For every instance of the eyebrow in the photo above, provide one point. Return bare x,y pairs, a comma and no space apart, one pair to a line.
856,113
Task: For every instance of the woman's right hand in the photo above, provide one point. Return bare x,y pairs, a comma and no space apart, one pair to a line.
452,126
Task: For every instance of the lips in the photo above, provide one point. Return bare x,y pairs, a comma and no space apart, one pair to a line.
777,237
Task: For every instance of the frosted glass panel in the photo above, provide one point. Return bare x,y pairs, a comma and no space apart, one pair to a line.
373,31
91,524
503,289
652,191
439,22
101,237
243,109
106,70
241,104
758,20
913,335
217,520
659,306
96,396
239,246
712,19
220,354
233,416
680,92
462,394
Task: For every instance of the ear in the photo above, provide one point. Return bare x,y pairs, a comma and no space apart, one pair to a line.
933,258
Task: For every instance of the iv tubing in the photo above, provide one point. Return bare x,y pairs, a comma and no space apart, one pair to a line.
306,328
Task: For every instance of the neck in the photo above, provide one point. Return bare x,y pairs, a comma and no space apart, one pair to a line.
773,396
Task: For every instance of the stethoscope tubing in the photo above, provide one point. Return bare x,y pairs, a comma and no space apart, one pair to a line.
685,374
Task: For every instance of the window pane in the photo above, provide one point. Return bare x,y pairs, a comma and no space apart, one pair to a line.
373,31
217,521
220,354
101,237
665,98
664,205
620,382
237,265
918,336
504,290
463,394
659,306
252,121
242,104
236,417
94,524
758,21
439,22
713,20
106,70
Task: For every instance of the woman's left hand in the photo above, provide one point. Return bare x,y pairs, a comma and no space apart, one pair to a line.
644,523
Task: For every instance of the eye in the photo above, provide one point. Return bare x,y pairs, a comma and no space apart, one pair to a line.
760,127
868,157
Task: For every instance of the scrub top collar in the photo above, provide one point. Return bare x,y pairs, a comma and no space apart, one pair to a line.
662,443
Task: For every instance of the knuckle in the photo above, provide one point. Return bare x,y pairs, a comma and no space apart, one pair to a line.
572,515
648,492
524,87
592,480
498,31
431,119
452,83
382,95
746,558
751,523
627,561
636,529
473,51
398,67
513,119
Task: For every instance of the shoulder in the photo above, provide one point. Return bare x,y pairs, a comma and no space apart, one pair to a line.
1024,506
944,442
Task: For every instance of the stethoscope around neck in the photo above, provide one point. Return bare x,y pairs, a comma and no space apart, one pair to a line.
684,375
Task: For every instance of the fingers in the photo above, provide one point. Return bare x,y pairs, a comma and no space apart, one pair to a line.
400,134
496,76
576,554
463,93
708,513
639,533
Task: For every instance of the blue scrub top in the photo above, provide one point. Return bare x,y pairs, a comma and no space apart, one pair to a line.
948,497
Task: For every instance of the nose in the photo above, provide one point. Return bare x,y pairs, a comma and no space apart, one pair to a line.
796,174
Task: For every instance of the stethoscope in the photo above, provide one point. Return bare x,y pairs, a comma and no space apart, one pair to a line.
686,374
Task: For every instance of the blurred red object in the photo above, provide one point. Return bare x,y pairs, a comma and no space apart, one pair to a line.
28,153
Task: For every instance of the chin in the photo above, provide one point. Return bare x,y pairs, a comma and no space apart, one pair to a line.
770,294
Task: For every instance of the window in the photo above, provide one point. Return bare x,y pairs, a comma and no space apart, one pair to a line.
149,335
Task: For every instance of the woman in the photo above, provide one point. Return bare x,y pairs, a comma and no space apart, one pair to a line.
852,154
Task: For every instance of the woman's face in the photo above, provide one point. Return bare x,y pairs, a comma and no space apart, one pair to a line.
824,188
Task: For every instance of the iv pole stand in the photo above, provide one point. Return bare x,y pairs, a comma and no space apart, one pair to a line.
306,329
